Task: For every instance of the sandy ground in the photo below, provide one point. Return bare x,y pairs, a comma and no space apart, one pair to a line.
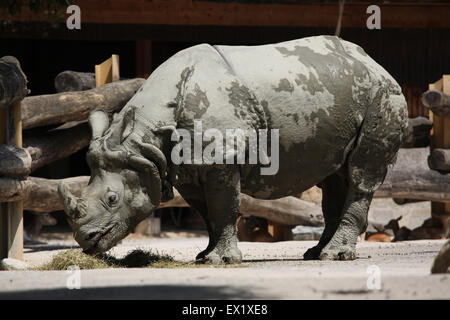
270,270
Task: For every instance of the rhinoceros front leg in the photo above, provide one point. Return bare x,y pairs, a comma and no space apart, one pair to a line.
221,187
342,245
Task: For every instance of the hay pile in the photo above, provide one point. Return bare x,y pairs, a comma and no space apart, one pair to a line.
138,258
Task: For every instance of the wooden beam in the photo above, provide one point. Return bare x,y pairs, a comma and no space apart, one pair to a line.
233,13
143,58
11,238
411,178
67,81
107,71
57,144
75,106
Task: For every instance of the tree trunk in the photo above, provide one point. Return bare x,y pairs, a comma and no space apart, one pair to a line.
411,178
57,144
76,106
439,159
13,82
68,81
418,133
437,101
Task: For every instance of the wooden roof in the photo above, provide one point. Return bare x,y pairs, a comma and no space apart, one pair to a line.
284,13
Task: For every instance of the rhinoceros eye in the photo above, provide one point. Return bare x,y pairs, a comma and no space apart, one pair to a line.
111,198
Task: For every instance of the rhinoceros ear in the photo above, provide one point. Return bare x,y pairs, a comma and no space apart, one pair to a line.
99,122
127,123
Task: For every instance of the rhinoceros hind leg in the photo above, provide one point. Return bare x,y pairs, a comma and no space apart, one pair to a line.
334,190
342,245
382,132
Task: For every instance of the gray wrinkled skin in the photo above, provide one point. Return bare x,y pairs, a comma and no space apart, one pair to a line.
341,119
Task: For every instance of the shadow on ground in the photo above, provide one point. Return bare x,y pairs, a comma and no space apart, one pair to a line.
174,292
47,247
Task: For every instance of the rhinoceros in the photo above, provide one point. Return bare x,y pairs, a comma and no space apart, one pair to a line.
340,119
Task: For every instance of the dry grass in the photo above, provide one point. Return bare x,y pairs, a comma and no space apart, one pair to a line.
138,258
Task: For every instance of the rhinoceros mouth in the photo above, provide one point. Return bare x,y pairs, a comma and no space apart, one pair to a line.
95,247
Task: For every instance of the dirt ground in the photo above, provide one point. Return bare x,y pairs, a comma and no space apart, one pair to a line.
398,270
270,271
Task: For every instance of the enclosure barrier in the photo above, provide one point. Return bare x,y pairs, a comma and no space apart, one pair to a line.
66,113
437,99
13,88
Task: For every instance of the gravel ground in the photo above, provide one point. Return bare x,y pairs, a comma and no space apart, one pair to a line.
270,270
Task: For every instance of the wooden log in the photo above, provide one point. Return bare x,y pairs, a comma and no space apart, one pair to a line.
13,82
439,159
411,178
76,106
14,161
68,81
13,189
57,144
287,211
437,101
42,196
418,133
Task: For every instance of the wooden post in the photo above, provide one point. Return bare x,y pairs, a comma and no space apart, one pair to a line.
279,232
440,138
143,58
108,71
11,222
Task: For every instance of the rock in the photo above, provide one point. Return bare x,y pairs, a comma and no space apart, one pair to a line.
10,264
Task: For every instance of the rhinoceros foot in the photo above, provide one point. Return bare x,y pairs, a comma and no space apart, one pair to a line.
344,252
312,253
216,256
